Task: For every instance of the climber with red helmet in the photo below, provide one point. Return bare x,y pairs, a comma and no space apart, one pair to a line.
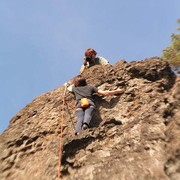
90,59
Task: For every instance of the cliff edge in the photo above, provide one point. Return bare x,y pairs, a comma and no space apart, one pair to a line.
134,135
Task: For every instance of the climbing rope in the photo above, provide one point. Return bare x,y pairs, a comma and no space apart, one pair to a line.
61,133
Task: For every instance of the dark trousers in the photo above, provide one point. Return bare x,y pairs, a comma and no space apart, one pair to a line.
83,116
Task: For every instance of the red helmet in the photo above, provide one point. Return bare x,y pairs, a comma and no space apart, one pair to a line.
90,51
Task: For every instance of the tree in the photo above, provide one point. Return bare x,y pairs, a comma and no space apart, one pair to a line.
172,53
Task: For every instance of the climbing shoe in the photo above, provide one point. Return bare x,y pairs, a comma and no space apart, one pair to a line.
85,126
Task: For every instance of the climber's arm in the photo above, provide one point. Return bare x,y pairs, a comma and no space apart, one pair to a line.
69,88
107,93
83,68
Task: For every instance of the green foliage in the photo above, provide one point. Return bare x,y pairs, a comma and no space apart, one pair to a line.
172,53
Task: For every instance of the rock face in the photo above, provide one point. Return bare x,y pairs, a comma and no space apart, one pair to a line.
133,136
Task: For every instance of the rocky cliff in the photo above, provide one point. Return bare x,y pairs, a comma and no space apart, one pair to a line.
133,136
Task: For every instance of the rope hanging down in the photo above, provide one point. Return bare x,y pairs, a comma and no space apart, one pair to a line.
61,132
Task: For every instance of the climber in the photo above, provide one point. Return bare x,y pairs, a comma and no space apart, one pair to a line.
90,59
85,105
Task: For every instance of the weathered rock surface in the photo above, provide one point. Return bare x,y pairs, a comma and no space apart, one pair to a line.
133,136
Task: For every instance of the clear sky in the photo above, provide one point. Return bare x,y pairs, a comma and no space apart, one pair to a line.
42,42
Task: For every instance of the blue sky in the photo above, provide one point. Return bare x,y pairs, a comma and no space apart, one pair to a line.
42,42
